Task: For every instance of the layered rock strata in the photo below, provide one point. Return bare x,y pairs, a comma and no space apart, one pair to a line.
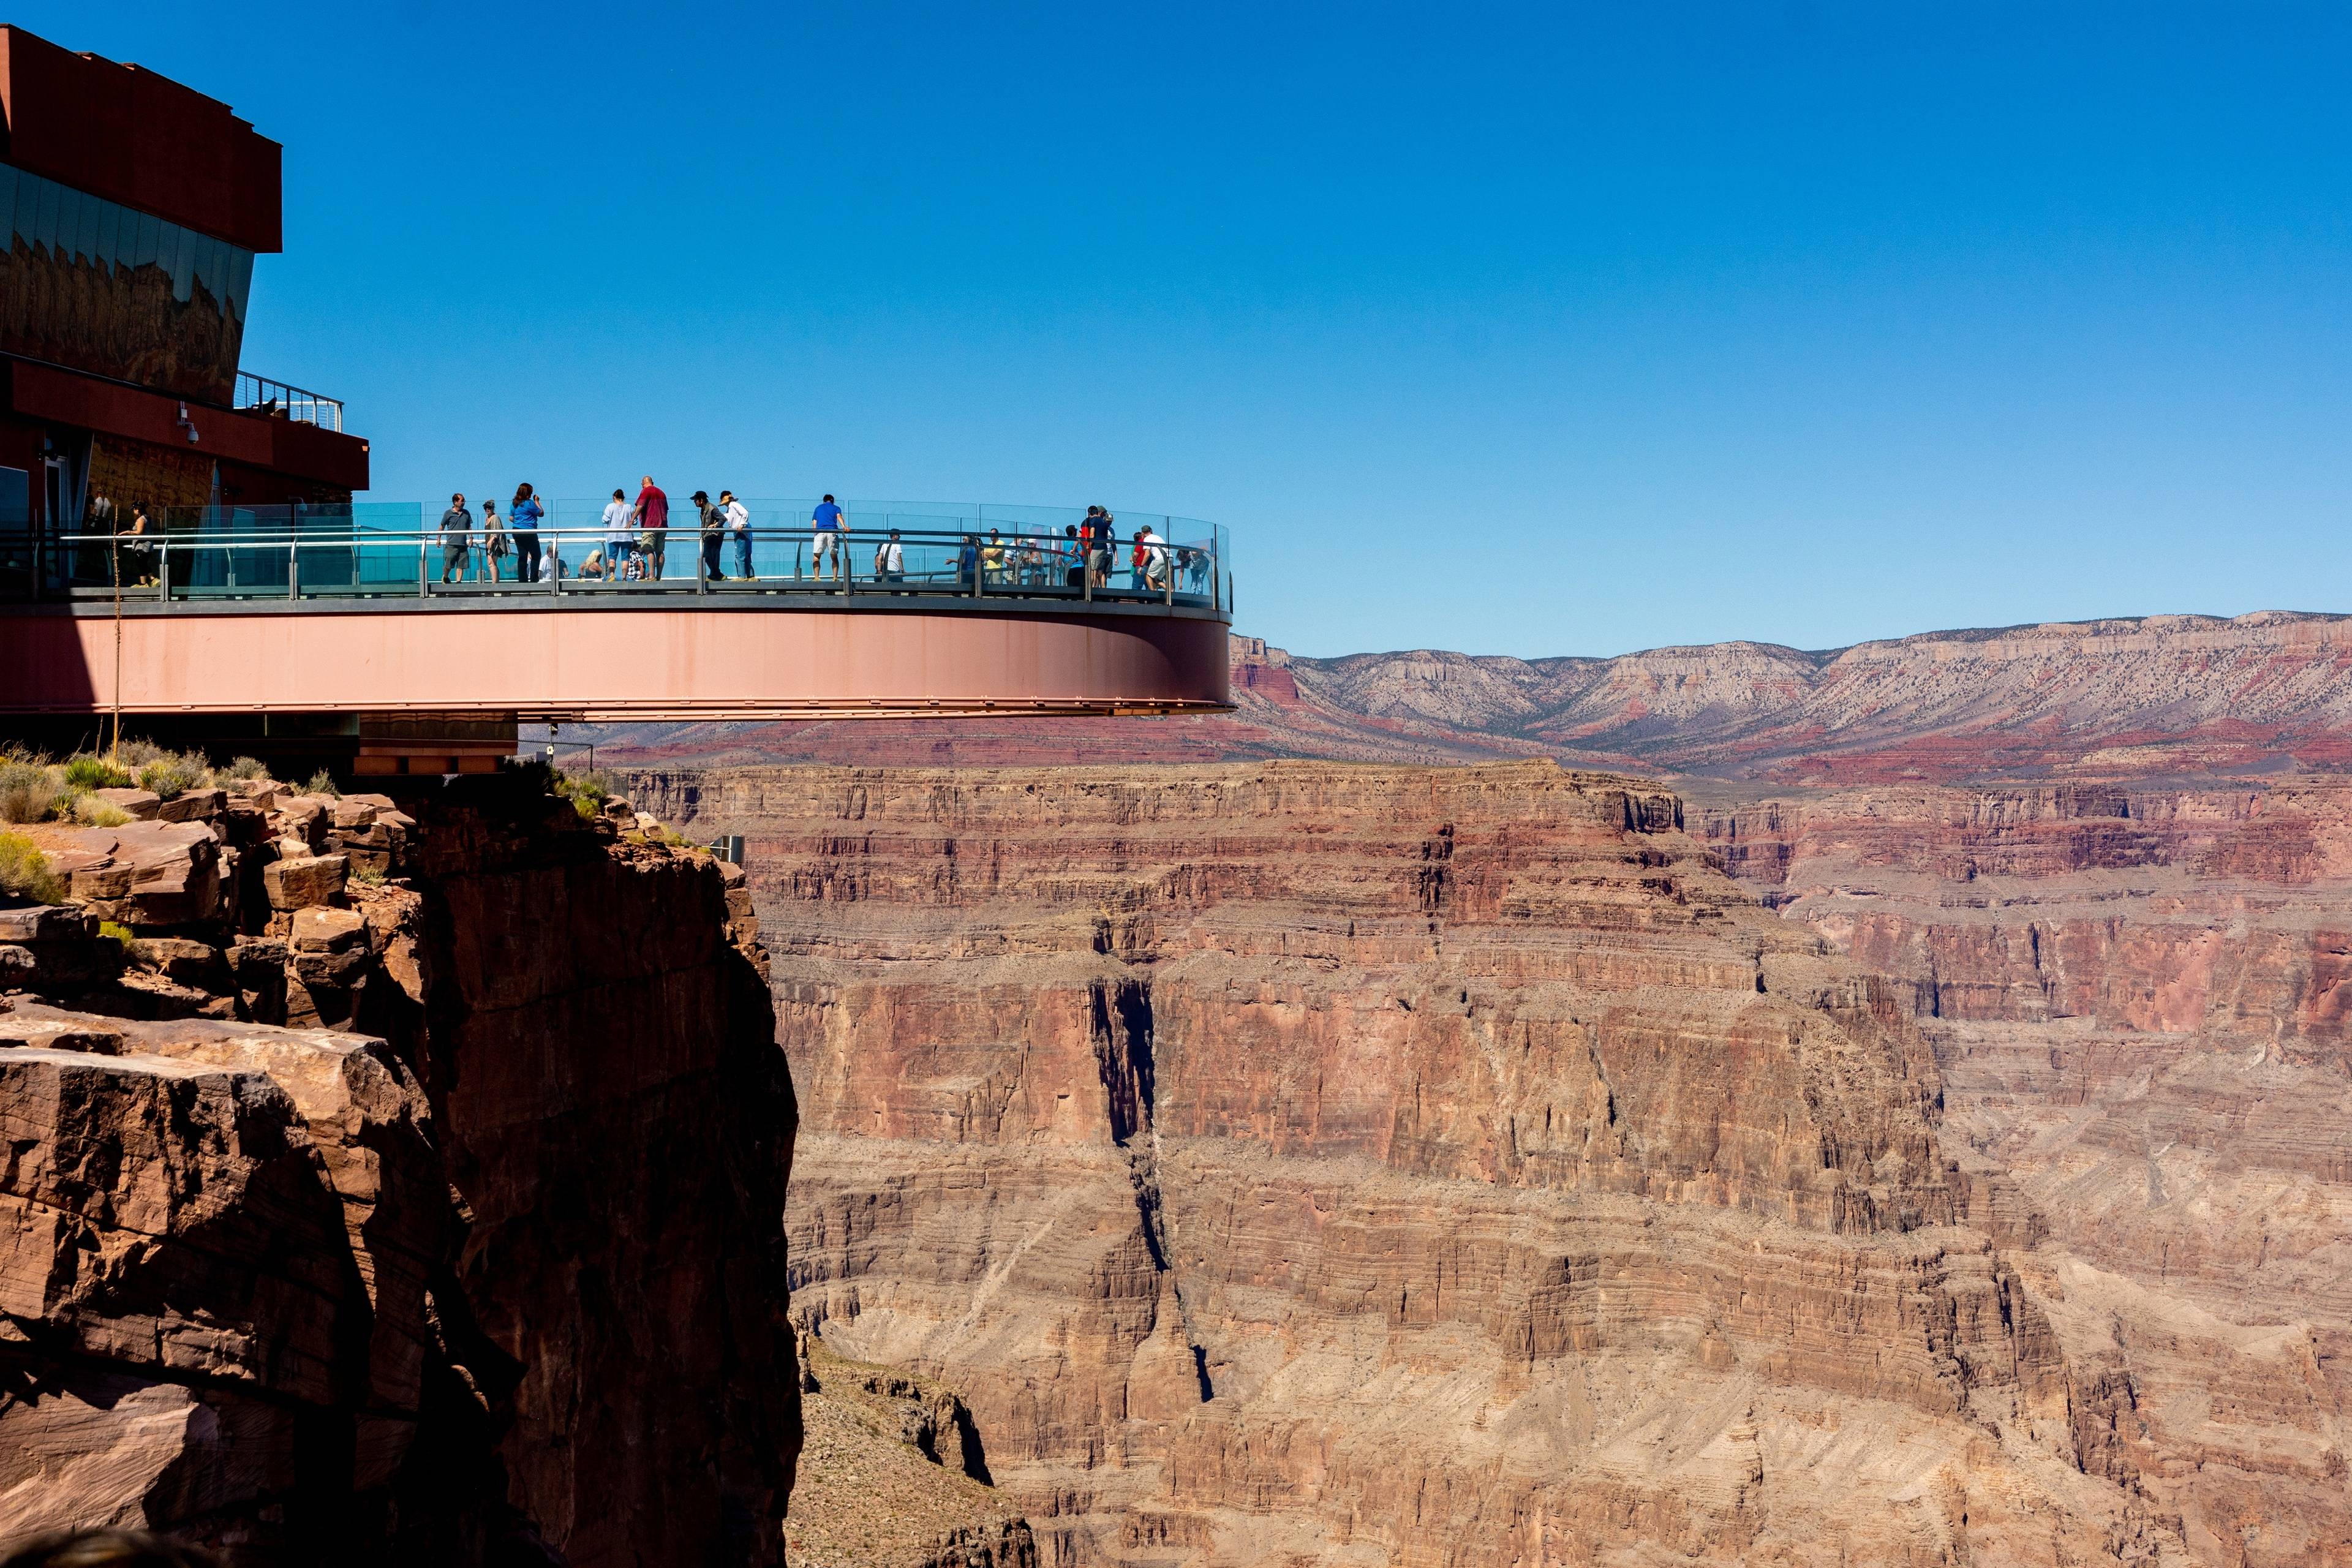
2136,995
482,1266
1306,1163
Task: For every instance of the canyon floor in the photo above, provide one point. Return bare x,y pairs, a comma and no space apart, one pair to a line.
1916,1131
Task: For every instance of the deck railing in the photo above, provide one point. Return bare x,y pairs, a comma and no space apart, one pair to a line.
259,394
480,567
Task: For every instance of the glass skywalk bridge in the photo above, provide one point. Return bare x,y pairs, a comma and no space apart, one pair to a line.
372,628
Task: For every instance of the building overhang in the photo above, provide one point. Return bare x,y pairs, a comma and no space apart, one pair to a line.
54,395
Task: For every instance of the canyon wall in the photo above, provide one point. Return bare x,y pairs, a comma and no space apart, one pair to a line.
2136,995
426,1215
1302,1163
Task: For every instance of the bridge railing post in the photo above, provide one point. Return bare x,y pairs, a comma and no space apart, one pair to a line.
423,590
294,569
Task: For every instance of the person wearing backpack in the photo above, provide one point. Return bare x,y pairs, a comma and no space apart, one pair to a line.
890,560
714,534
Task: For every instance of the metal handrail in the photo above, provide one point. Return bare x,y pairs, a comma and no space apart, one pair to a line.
276,397
449,564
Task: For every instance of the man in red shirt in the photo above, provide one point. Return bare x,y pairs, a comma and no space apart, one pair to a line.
653,524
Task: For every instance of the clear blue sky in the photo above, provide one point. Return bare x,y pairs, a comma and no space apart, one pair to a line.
1555,329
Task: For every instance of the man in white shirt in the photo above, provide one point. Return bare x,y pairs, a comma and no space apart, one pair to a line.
1155,557
618,514
738,523
889,560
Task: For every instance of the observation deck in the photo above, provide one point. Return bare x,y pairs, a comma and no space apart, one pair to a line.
319,618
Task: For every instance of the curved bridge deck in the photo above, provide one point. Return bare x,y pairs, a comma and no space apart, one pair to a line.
349,624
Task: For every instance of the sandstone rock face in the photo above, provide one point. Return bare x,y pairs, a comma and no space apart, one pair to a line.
213,1269
2133,993
490,1272
1320,1164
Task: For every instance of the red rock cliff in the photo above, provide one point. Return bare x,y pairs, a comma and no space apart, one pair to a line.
1303,1162
492,1268
2137,995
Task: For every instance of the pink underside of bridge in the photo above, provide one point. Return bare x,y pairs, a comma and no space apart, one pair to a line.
614,664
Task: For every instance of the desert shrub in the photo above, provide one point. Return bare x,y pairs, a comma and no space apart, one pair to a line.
324,782
28,791
25,872
132,947
137,754
92,812
586,791
367,876
88,771
246,769
169,775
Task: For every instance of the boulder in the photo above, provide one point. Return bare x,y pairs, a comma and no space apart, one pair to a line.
330,947
140,803
351,813
184,962
53,945
258,967
329,931
46,922
307,817
297,884
192,805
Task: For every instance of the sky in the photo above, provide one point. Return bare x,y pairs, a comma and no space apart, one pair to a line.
1556,330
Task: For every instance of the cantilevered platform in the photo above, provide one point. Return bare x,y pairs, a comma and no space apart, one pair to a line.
309,627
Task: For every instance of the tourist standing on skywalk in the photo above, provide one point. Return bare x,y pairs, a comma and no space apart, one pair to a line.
714,534
523,517
456,532
738,523
617,513
653,526
832,538
495,544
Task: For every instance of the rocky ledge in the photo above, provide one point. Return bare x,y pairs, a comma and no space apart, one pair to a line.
394,1180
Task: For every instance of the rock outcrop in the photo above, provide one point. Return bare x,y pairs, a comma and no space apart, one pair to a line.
403,1185
1306,1163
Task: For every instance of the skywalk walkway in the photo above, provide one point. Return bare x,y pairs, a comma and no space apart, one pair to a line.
311,616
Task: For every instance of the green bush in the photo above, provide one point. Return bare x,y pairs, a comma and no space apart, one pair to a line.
586,791
92,771
170,775
132,948
25,872
246,769
28,791
324,782
137,754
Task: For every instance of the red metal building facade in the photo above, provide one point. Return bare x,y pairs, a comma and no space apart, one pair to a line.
135,208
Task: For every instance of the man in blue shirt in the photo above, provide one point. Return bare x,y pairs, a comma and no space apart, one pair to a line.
830,526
